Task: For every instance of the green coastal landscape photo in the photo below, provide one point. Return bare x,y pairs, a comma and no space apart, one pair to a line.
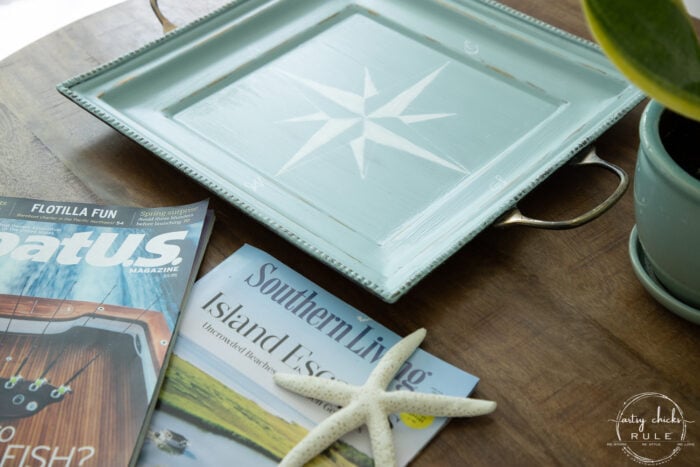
191,398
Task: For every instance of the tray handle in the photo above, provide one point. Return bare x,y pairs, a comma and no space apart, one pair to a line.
167,25
516,217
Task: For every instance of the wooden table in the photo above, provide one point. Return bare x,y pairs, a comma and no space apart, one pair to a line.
554,323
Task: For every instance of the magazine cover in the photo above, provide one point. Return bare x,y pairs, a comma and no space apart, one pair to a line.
89,302
250,317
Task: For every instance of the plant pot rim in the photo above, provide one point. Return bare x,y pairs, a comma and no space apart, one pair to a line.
658,156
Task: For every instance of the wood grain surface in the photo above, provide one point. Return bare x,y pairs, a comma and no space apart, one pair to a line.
554,323
110,392
152,323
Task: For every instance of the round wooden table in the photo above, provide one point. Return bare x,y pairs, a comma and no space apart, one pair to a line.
554,323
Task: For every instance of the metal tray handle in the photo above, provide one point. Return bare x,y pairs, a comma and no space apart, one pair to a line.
167,25
516,217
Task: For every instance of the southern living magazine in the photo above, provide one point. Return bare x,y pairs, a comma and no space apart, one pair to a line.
90,298
250,317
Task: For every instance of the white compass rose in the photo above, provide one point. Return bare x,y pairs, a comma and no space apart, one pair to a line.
370,121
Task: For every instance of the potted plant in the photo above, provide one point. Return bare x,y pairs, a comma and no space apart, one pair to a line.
653,43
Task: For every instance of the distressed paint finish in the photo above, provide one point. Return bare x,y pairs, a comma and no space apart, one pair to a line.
550,321
379,136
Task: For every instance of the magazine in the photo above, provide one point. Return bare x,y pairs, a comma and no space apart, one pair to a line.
250,317
90,298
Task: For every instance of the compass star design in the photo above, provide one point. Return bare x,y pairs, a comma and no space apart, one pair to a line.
370,121
370,404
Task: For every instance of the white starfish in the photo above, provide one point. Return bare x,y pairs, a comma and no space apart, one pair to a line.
370,122
370,404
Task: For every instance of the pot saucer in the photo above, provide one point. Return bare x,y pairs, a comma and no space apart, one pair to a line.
646,276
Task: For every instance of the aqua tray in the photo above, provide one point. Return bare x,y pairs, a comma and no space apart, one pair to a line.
379,136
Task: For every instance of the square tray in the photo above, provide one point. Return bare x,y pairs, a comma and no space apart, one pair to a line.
377,135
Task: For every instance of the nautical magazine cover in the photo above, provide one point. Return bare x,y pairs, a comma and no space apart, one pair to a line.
250,317
90,298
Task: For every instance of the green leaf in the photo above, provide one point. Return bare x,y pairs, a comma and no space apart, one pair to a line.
654,45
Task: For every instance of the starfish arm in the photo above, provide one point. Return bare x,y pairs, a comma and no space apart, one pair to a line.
369,404
333,391
436,404
325,434
381,438
390,363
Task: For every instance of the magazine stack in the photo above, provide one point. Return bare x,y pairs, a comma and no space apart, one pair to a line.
253,316
90,299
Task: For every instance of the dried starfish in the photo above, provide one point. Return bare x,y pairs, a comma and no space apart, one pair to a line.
370,404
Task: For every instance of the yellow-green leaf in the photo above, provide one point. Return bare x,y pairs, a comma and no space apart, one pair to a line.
654,45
